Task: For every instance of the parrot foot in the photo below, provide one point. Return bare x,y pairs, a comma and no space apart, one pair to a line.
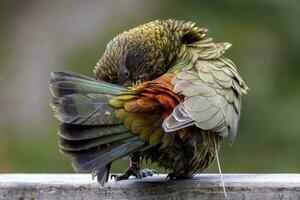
134,169
138,173
176,176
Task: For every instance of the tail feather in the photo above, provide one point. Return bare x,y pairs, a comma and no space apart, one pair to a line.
73,75
93,161
84,132
102,174
78,99
80,145
85,109
91,133
65,83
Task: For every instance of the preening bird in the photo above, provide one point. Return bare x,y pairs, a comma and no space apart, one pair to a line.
163,92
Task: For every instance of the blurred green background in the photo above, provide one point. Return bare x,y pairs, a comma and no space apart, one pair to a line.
39,36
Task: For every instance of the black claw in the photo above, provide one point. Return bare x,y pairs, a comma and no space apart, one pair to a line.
119,177
143,173
171,176
139,173
113,176
149,172
176,176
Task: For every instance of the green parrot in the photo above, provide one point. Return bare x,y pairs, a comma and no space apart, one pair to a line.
163,92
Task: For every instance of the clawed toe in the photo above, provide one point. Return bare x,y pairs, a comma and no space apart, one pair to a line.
171,176
176,176
134,169
119,177
138,173
148,172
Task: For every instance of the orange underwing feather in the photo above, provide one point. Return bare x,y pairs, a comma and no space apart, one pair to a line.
166,101
147,104
143,108
132,106
166,113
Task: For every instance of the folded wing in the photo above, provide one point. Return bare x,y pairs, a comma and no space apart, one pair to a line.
212,90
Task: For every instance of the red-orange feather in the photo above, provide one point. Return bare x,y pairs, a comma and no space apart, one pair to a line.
143,108
161,90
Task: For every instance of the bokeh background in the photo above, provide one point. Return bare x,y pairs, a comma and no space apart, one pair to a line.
38,36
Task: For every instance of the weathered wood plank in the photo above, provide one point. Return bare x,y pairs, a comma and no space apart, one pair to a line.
204,186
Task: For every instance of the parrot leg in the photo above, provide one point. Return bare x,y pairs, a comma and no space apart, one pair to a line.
134,169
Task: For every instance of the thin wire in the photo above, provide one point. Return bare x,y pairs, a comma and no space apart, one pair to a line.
220,172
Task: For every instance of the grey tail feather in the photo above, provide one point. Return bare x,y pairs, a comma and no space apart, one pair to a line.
102,174
85,145
77,140
91,161
75,132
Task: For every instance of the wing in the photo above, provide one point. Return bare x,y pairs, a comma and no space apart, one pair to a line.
212,90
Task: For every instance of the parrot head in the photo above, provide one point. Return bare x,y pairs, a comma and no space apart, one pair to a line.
142,53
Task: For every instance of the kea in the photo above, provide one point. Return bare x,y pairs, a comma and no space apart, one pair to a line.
162,92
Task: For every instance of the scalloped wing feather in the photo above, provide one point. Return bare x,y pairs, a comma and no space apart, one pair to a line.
212,90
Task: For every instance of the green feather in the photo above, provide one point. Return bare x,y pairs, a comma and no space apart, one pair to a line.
79,99
93,161
85,109
65,83
82,132
80,145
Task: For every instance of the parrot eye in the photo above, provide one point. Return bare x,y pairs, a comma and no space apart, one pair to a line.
126,73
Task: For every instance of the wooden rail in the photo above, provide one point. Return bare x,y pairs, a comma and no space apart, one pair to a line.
204,186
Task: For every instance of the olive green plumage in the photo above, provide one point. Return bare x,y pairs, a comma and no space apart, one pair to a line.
147,51
176,121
